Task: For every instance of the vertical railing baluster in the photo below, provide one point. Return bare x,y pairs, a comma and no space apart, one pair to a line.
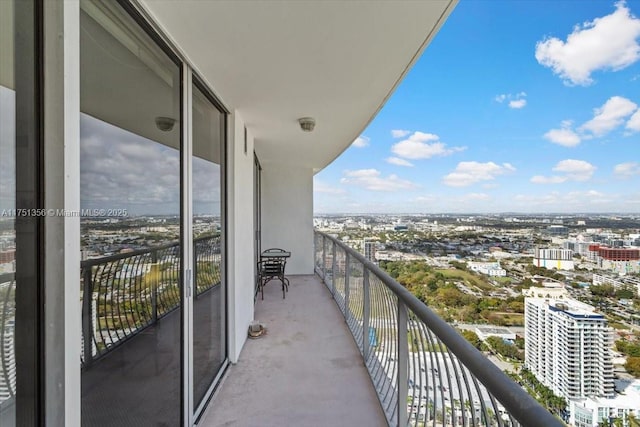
154,286
324,259
347,309
195,270
334,268
366,312
87,321
403,362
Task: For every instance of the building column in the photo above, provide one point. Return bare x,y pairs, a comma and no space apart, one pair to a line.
62,327
287,213
240,226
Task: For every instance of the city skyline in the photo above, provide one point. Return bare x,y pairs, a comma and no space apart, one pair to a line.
525,107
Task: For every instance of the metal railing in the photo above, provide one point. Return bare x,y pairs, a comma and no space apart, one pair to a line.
126,293
424,371
7,341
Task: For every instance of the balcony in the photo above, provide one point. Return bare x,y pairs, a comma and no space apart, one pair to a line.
309,360
332,345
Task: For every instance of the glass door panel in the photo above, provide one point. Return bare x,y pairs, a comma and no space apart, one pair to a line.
130,192
7,217
209,317
20,224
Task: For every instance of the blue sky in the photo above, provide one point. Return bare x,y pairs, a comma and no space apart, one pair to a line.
515,106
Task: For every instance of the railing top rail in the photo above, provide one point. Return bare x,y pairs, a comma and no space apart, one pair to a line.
102,260
518,402
7,277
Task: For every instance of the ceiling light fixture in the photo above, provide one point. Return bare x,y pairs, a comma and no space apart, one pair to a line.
307,123
165,124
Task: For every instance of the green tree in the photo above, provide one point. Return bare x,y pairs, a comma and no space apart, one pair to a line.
633,366
624,294
472,337
602,290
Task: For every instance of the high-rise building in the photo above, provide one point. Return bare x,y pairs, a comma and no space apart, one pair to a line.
369,247
567,347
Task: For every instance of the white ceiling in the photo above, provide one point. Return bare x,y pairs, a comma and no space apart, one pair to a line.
276,61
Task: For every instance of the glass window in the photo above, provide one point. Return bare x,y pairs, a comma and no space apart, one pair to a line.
19,222
7,216
131,223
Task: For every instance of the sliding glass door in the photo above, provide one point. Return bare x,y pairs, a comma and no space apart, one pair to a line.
131,227
152,224
20,226
209,320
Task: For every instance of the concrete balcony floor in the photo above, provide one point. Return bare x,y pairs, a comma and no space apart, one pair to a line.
306,371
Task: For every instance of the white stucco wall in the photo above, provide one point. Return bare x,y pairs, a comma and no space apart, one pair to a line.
240,242
287,213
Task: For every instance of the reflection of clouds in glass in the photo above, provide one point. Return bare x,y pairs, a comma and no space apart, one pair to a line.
206,187
7,148
119,169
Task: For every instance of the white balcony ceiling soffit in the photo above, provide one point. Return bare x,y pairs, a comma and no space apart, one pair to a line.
277,61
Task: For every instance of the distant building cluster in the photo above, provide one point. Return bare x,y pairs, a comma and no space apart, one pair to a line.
558,230
489,268
624,282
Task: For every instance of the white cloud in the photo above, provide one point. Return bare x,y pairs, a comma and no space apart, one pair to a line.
422,145
609,42
361,141
611,115
571,170
321,187
121,169
477,196
576,170
606,118
467,173
400,133
539,179
564,136
517,103
634,122
399,162
371,179
627,169
429,198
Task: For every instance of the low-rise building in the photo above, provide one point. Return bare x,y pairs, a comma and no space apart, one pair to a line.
550,258
592,412
485,332
619,260
489,268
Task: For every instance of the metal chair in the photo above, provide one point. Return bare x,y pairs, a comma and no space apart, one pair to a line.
275,251
272,269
